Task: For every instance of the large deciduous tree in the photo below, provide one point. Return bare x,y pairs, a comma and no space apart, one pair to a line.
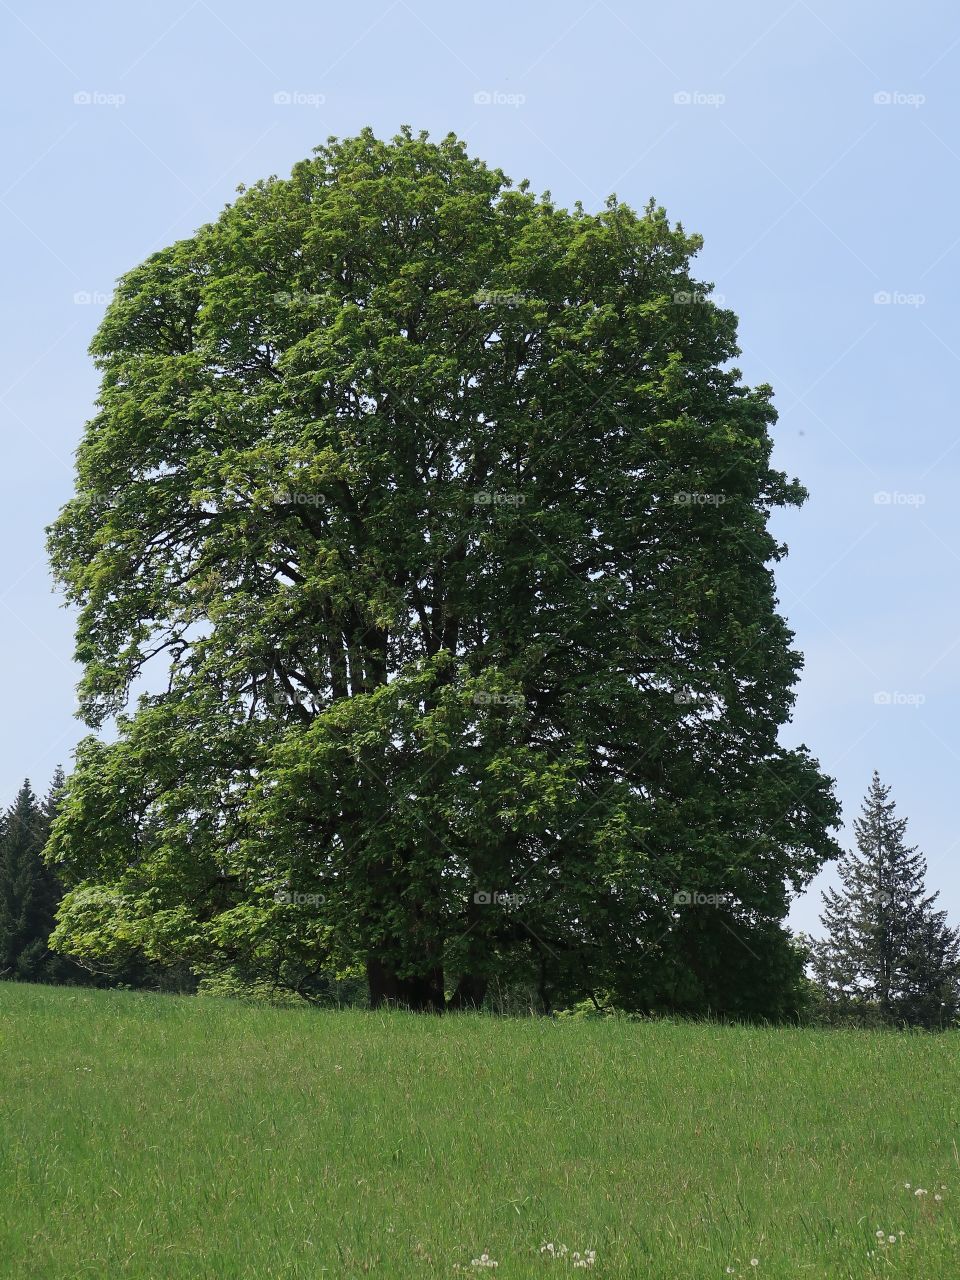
446,513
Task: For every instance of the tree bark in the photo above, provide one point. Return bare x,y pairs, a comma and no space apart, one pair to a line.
470,992
422,993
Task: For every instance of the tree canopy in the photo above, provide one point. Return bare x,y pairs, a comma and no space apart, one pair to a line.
445,513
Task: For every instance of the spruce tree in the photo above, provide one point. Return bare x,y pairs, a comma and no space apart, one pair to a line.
29,890
54,796
887,953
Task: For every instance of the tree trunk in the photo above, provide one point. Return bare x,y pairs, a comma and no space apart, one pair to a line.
422,993
470,992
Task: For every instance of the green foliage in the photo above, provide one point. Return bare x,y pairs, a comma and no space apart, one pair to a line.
447,511
887,955
227,985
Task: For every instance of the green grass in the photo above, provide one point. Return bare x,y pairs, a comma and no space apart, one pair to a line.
154,1137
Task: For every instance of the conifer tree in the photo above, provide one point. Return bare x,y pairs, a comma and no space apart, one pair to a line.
54,797
30,891
887,952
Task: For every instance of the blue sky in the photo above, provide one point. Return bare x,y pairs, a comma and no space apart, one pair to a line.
815,146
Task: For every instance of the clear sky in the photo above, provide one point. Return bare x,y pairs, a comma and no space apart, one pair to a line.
814,145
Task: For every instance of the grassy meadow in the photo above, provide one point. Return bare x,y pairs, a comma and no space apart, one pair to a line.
153,1136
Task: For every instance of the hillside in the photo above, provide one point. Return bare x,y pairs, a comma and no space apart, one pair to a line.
153,1137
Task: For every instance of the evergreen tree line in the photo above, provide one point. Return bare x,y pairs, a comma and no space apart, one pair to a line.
30,893
30,890
887,956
